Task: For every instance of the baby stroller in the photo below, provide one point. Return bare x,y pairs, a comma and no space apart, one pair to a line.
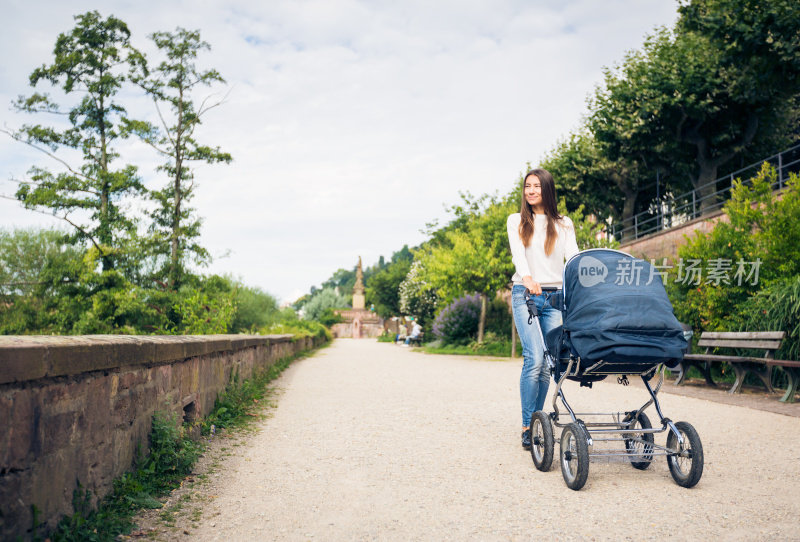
617,320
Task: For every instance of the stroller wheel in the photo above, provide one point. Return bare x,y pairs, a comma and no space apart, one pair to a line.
640,444
542,441
574,456
686,460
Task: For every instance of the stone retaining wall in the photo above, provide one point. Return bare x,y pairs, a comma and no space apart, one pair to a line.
345,329
76,408
665,244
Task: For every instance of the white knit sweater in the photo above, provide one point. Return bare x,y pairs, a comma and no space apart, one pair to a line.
531,260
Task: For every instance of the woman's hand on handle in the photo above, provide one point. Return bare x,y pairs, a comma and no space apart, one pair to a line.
533,287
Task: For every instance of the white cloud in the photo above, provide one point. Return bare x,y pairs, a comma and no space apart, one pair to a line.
352,123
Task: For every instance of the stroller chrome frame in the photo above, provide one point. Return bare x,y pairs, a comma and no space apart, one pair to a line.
579,437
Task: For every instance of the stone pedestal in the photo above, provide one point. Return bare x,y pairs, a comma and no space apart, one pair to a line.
358,323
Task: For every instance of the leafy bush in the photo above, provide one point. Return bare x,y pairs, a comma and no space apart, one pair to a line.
760,231
324,299
383,287
416,297
204,314
775,308
498,318
458,322
172,451
286,321
254,308
588,230
329,317
234,403
492,345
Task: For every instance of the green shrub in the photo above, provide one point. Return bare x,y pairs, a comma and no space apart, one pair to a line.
233,404
775,308
498,318
254,307
286,321
172,451
762,232
457,323
327,298
329,317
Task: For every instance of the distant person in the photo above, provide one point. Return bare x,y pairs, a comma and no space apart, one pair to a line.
402,331
416,331
541,240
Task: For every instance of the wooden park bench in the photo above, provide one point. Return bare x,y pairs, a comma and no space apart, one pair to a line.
768,341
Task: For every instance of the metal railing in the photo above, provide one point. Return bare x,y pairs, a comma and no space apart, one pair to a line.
671,211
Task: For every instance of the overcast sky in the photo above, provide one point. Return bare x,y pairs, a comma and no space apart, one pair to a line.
352,124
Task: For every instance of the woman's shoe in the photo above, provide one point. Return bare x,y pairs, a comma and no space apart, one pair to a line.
526,439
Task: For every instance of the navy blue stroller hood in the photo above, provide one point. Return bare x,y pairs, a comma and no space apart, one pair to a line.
616,310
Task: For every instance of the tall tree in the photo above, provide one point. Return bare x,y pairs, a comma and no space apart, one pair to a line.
383,286
628,140
696,98
758,52
475,259
598,178
91,61
174,82
579,181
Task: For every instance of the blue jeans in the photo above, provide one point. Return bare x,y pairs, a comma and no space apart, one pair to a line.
535,377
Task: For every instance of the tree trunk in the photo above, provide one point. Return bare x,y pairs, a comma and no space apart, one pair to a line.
174,278
706,199
621,178
105,221
628,210
178,196
482,320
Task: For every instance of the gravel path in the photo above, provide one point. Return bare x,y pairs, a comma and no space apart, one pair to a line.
371,441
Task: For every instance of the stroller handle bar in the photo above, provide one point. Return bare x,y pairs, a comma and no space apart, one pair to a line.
548,293
533,314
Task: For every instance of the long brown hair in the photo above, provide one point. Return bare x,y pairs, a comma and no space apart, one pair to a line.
550,210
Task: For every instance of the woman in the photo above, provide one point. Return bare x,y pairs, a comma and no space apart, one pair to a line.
541,240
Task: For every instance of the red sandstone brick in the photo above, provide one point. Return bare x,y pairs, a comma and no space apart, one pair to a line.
169,351
76,358
57,431
15,492
21,363
124,410
22,432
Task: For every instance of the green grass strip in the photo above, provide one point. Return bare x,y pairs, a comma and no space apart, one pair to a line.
495,349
